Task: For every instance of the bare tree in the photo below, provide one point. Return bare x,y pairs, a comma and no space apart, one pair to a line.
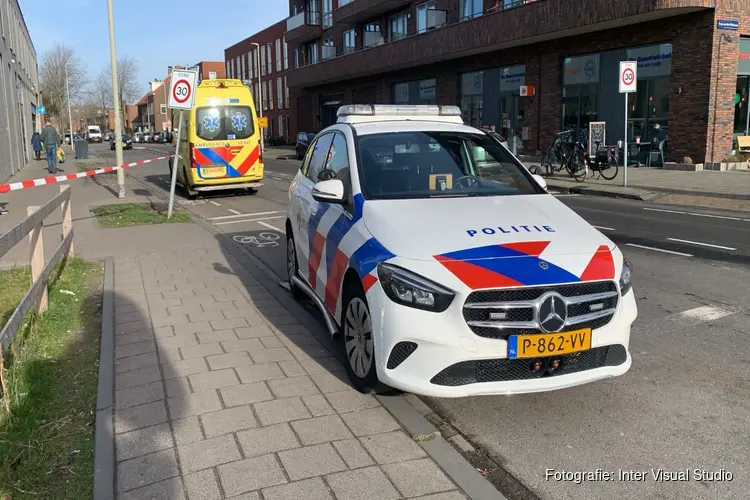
127,81
53,78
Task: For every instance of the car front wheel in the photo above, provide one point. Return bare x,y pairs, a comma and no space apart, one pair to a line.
358,340
292,269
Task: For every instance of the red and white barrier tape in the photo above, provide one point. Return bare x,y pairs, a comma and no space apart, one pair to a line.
16,186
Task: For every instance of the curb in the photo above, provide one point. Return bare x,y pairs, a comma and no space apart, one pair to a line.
458,469
104,437
593,191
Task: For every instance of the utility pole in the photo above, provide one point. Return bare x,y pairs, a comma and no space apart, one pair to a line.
116,104
70,115
259,103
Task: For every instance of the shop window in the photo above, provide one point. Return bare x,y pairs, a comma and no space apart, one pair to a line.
648,107
742,96
472,102
580,91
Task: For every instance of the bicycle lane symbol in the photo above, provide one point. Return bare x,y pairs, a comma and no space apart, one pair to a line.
262,240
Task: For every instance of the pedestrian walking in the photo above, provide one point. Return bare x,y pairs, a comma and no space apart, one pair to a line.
51,140
36,143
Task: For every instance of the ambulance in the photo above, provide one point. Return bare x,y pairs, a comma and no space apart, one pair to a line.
220,138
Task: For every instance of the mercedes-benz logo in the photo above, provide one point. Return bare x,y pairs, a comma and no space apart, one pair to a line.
543,265
552,312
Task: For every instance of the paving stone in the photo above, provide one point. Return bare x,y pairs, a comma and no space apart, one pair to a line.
253,317
143,441
278,319
135,362
129,419
353,453
292,368
268,355
163,332
392,447
137,377
177,340
321,430
245,394
193,404
332,382
311,461
133,337
187,430
139,395
125,351
322,365
169,355
216,336
271,342
218,306
170,489
270,439
184,368
369,422
418,477
198,351
309,489
251,474
213,380
286,330
251,332
247,345
257,373
229,420
292,387
198,316
318,405
181,310
351,400
314,351
189,328
362,484
450,495
281,410
231,360
223,324
203,485
208,453
146,469
133,326
177,387
129,317
180,319
132,308
298,339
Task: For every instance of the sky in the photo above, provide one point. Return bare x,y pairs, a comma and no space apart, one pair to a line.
155,33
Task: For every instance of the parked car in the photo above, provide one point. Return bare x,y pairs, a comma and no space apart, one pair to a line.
108,136
127,142
304,139
138,137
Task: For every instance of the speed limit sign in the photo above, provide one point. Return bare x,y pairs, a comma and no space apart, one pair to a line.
628,79
182,93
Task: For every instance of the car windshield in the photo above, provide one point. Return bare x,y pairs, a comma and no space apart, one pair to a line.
221,123
311,136
408,165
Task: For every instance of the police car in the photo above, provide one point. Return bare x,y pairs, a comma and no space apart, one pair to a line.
445,266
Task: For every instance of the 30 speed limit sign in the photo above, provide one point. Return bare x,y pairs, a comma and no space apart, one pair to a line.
182,93
628,78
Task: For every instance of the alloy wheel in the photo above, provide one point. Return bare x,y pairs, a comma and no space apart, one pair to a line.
358,337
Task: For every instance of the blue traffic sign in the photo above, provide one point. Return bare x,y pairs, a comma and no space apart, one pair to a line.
40,110
728,24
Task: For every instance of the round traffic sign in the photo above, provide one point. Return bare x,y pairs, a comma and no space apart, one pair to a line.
181,91
628,76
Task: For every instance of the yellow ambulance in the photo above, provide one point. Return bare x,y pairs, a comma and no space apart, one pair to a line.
220,138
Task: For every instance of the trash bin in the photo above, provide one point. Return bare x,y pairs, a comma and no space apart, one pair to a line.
82,149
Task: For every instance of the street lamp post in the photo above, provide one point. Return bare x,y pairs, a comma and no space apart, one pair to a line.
70,115
116,104
260,92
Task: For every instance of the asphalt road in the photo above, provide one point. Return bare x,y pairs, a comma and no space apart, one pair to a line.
685,404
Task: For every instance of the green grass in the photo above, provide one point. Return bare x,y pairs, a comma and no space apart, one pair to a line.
47,440
136,214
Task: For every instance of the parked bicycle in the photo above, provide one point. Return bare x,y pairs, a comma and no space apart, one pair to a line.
604,163
559,152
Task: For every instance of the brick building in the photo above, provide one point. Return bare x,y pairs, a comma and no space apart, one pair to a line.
241,61
693,65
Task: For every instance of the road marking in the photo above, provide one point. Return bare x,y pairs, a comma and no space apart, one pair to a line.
701,244
239,214
644,247
705,313
665,211
696,214
604,228
248,220
714,216
214,203
269,226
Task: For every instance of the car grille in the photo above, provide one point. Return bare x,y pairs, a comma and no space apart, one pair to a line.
400,352
498,314
502,370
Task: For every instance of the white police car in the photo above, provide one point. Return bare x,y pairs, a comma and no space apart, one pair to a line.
447,268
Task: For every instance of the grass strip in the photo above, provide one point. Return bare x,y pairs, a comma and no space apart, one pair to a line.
136,214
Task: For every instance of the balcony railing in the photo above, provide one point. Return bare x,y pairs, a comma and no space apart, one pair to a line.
372,39
344,2
327,52
306,17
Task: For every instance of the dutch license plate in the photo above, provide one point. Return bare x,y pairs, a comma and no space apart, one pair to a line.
214,171
549,344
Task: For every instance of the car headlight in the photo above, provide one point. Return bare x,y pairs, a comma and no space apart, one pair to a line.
625,276
412,290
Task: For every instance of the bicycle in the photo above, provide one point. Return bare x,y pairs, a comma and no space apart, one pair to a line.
559,152
604,162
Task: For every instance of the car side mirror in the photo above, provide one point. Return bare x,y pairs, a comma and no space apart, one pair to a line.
540,180
330,191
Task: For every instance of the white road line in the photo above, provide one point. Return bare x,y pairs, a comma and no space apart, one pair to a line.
696,214
658,250
235,212
701,244
239,214
214,203
665,211
714,216
269,226
248,220
705,313
604,228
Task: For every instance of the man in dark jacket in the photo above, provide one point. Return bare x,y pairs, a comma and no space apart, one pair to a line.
36,143
51,140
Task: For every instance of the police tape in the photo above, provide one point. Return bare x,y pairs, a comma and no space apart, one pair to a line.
16,186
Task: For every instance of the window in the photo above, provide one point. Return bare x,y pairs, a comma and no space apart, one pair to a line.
250,64
270,65
580,91
397,26
270,94
296,58
319,156
286,94
312,53
263,60
279,93
257,96
221,123
422,15
278,54
469,9
349,41
237,67
243,75
648,109
412,165
372,35
286,54
472,98
327,14
327,49
163,109
281,126
264,89
337,163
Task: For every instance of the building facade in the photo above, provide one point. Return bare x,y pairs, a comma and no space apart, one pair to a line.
693,66
267,62
19,96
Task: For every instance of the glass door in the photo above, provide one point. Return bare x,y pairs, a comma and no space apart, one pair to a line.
511,115
741,101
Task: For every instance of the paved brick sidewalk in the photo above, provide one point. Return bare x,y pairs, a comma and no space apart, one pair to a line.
221,393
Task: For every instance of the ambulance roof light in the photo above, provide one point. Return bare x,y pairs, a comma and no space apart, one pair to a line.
397,110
